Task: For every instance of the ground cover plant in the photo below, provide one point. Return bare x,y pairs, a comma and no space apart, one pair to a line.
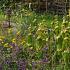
35,41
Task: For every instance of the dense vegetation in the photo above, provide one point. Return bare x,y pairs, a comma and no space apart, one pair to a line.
34,41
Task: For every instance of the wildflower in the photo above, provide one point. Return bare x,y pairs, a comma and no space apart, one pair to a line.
38,37
34,63
23,41
46,39
45,48
7,61
6,45
31,48
10,46
66,51
45,60
14,40
2,42
59,49
29,14
39,29
22,64
0,39
18,33
9,30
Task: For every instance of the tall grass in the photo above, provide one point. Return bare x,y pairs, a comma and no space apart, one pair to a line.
37,41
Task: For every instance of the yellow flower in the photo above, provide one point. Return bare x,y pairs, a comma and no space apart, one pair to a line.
6,45
2,42
18,33
37,48
23,42
46,39
39,29
38,37
29,14
59,49
0,39
10,47
9,30
14,40
66,51
31,48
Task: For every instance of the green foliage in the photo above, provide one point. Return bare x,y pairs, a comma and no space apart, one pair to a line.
40,41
